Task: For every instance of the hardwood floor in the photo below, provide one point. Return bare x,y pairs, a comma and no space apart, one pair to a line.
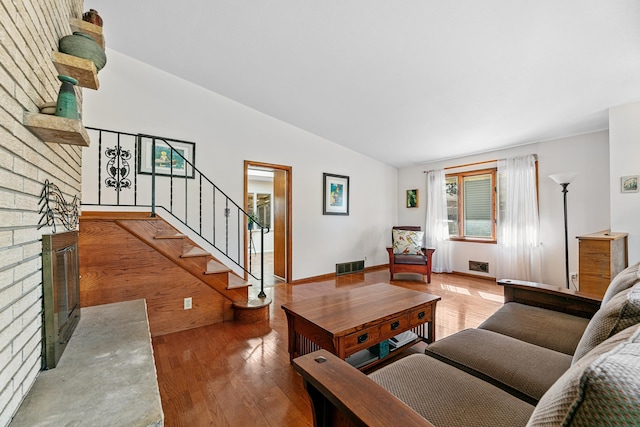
233,374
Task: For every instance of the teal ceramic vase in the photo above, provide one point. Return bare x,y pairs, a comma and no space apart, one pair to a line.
67,105
83,46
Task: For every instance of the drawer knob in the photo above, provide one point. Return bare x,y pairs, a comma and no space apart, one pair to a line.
395,325
362,338
421,315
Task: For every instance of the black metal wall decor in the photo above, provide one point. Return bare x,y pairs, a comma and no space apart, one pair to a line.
55,209
118,168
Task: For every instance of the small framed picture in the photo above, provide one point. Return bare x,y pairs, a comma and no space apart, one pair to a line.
335,189
412,198
167,156
629,184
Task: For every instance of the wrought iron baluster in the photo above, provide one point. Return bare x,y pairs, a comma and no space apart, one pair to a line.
153,178
100,167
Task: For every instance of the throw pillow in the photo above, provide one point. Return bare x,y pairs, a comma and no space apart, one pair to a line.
623,280
601,389
407,242
622,311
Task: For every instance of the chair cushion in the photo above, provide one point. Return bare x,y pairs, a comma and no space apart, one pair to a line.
447,396
620,312
532,324
527,372
407,241
623,280
410,259
601,389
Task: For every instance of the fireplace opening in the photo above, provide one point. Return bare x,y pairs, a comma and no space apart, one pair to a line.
60,294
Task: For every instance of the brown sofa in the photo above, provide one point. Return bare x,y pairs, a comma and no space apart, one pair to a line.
548,357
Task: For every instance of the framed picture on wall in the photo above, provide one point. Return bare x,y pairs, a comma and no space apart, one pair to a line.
178,161
629,184
335,191
412,198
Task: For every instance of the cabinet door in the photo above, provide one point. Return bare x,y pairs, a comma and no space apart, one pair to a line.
594,266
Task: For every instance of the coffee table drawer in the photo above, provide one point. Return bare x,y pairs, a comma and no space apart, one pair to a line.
361,339
420,316
394,327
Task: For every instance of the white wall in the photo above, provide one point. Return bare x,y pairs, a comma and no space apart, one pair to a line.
624,125
135,97
587,199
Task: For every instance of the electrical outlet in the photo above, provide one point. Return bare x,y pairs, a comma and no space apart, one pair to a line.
574,276
188,303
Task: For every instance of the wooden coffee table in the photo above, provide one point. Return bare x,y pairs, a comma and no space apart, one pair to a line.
346,322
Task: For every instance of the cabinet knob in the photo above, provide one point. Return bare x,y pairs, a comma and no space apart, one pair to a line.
421,315
395,325
362,338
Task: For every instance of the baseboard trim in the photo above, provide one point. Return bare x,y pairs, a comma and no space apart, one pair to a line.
475,276
329,276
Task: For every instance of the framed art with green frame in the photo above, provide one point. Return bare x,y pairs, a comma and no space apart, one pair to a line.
412,198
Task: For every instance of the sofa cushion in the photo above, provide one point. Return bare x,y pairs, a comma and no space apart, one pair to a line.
602,388
532,325
410,259
447,396
407,242
623,280
622,311
527,372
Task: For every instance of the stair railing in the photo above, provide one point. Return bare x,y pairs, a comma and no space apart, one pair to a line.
159,173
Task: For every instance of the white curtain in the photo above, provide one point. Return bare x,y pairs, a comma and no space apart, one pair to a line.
437,229
519,250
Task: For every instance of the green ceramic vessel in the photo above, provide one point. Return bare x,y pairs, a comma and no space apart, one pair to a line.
83,46
67,105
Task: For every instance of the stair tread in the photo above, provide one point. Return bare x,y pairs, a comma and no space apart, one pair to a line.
169,234
189,251
252,303
214,267
235,282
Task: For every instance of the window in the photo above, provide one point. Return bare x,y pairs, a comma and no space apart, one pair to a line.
471,205
259,207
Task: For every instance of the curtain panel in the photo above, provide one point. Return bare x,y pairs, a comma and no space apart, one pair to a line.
518,231
437,228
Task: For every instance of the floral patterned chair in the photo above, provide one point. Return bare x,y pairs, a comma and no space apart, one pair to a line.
408,253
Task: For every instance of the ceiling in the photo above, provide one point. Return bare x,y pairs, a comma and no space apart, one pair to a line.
403,82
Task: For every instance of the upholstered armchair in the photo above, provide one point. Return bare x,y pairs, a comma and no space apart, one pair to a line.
408,253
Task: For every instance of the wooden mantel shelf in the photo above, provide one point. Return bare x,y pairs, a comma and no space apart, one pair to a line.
56,129
80,69
95,31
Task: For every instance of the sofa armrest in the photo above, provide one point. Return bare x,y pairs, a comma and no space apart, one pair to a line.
342,395
550,297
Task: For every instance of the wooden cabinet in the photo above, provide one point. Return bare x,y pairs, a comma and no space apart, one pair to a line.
601,256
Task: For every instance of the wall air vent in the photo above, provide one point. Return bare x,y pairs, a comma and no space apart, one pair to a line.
349,267
480,266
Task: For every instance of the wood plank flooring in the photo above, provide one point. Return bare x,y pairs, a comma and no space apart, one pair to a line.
233,374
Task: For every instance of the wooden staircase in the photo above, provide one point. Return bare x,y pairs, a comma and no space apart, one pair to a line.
165,266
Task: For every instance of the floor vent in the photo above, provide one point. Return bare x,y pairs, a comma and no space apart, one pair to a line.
480,266
349,267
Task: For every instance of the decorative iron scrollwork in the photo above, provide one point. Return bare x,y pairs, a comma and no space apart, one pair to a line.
118,168
54,208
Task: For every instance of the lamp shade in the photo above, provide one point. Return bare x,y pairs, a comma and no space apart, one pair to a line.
563,178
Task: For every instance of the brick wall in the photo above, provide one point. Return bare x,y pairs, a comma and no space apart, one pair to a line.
29,32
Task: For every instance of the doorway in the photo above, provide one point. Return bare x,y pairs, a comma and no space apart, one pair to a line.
267,189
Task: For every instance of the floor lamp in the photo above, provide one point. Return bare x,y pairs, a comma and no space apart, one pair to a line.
564,179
